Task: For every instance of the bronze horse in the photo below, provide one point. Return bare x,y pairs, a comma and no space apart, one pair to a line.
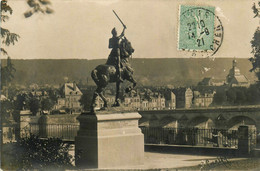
104,74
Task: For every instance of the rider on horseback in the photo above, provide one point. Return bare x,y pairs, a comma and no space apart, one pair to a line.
116,68
115,56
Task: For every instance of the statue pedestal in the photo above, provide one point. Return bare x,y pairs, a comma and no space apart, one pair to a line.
109,140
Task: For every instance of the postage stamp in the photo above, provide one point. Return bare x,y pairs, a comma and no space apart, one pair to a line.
200,30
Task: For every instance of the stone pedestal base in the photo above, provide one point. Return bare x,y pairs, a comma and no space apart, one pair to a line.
111,140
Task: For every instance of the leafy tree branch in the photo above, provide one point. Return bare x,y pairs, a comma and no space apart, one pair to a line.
38,6
255,44
256,10
8,37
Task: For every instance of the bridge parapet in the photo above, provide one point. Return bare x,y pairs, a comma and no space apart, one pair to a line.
221,117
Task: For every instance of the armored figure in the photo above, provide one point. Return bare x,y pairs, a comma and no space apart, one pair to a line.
115,55
116,69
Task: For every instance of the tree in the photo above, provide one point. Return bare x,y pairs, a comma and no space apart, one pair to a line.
34,105
52,95
47,104
7,73
240,96
148,94
231,96
7,37
86,99
255,43
12,92
21,102
220,97
6,110
253,95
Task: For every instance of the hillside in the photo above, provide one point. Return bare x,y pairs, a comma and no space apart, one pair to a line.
171,71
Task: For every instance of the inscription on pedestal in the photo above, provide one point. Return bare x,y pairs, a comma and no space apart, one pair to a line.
118,124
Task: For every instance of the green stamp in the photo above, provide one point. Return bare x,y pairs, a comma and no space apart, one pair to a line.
196,28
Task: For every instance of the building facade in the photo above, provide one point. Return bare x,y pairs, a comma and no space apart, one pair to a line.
202,99
171,101
100,103
155,102
70,97
133,102
184,97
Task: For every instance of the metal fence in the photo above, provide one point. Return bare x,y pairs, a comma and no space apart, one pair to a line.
191,136
66,132
171,136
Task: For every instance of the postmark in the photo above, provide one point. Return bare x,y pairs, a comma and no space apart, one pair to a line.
200,31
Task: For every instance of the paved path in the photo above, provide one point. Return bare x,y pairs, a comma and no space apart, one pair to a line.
162,160
155,160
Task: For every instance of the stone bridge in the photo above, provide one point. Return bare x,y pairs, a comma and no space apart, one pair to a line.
221,117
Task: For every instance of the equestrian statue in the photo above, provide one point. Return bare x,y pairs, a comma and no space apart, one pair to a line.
117,68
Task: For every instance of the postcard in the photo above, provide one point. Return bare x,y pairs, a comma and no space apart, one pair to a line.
127,84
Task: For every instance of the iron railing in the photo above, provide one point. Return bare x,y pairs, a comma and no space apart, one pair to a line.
66,132
170,136
191,136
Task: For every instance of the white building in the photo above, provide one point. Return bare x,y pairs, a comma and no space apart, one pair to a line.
71,95
134,102
202,99
171,101
156,102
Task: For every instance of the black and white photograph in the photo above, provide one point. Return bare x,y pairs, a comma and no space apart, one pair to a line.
140,85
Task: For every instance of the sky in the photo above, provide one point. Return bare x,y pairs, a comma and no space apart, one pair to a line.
81,28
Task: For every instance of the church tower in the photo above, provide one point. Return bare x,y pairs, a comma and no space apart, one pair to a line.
235,78
234,71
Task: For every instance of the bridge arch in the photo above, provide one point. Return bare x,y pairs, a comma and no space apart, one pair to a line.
168,122
144,122
201,122
236,121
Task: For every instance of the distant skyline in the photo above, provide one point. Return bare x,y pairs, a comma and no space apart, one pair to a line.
81,28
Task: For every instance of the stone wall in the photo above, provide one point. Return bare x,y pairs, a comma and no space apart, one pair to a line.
226,117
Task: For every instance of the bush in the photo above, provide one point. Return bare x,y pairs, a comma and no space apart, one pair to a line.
35,153
238,96
220,98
